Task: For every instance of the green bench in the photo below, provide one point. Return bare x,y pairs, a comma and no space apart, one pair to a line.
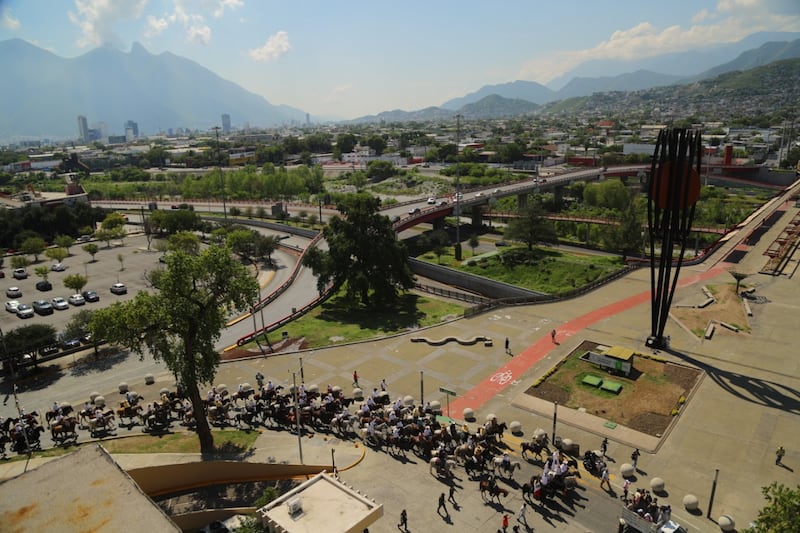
611,386
592,381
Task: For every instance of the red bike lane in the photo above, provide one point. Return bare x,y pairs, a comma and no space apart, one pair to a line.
476,397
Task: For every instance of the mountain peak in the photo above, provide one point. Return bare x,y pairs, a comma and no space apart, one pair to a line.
138,49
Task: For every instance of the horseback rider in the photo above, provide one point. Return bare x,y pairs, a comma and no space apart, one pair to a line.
506,462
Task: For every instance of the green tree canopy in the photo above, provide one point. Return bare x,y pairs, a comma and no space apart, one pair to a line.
76,282
33,246
781,514
531,227
363,254
181,322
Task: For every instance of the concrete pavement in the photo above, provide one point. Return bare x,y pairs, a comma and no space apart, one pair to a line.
745,408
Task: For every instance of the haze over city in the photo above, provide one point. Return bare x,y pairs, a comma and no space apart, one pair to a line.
359,58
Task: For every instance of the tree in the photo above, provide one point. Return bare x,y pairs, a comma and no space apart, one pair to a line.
57,254
438,240
363,255
265,246
473,242
738,276
42,272
181,322
105,235
19,261
240,240
628,235
91,249
781,514
121,259
33,246
379,170
185,242
531,227
76,282
113,221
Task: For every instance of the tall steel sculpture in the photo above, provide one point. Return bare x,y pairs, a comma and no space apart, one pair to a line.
672,196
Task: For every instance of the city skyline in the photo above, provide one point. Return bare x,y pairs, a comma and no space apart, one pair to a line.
363,58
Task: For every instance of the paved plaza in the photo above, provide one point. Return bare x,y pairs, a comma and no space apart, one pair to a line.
746,406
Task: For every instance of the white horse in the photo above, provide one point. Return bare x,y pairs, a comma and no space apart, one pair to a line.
497,464
442,467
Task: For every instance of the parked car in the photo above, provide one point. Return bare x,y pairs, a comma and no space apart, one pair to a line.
24,311
119,288
59,303
20,273
76,299
44,286
66,344
44,351
58,267
86,338
12,306
91,296
42,307
13,292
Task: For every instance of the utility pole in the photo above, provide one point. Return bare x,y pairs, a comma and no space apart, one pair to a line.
457,250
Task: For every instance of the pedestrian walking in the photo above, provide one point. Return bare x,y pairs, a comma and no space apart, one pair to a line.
625,487
383,384
403,520
355,378
604,479
521,518
779,453
442,505
553,335
604,446
505,522
452,496
635,457
508,345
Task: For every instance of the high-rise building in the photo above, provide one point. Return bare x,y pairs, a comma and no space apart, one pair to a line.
226,123
133,127
83,129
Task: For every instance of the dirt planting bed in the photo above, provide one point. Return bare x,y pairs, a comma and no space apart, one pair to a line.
646,402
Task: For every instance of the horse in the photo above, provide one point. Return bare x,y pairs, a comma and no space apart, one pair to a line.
473,465
130,412
464,452
442,467
506,467
65,429
493,490
536,448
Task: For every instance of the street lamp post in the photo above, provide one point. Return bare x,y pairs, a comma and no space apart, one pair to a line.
221,176
297,416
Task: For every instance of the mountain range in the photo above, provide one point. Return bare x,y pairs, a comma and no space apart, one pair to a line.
44,93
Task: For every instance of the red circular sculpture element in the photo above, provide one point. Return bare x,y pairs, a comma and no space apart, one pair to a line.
662,181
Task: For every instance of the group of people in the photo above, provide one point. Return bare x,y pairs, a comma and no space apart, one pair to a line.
646,506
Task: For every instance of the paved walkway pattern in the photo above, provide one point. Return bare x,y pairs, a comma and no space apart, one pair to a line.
746,408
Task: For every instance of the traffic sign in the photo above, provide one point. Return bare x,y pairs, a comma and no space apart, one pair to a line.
447,391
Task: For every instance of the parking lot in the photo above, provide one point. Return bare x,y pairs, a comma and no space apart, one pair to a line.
102,273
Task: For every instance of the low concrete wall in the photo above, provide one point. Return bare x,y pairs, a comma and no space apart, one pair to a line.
487,287
171,479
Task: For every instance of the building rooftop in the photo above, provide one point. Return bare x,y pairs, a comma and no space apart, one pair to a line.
323,503
83,491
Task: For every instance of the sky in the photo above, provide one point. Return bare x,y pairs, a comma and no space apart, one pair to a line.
359,57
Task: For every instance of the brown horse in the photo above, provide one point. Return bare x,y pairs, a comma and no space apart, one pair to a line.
493,490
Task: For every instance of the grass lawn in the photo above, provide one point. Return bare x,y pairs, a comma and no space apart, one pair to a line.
235,441
334,322
546,270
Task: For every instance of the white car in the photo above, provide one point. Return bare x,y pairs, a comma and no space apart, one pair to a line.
76,299
24,311
479,195
13,292
59,303
11,306
431,201
58,267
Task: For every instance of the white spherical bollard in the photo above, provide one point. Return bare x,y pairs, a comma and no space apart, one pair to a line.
123,388
93,395
100,401
627,470
408,400
515,427
313,389
149,379
468,413
690,502
726,523
657,484
358,394
490,417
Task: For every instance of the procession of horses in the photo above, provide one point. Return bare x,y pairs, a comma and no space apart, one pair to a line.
396,427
